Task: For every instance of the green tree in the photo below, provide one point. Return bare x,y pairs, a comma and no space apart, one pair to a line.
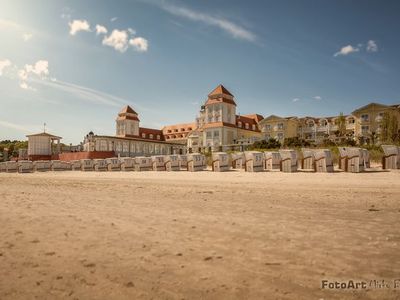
341,124
390,128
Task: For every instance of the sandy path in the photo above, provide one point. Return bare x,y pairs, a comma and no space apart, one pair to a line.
200,235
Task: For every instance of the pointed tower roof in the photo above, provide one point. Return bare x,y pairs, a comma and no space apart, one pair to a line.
220,94
220,90
127,113
127,110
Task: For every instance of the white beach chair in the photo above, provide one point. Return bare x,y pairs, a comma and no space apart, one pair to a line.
143,163
289,160
172,163
113,164
238,160
127,164
25,166
183,161
42,165
323,161
87,165
307,162
391,158
76,165
254,161
355,162
11,166
59,165
100,165
272,160
196,162
220,162
158,162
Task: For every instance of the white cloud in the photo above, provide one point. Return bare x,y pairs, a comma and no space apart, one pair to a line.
101,29
118,39
131,31
317,98
39,70
372,46
346,50
139,44
3,65
113,19
27,36
231,28
78,25
296,99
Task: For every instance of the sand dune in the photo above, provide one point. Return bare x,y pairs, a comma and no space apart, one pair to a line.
202,235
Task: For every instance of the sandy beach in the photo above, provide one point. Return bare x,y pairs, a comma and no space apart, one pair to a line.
204,235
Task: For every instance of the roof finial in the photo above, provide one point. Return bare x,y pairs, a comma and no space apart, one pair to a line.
44,127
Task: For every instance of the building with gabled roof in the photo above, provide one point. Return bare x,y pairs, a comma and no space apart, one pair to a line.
218,127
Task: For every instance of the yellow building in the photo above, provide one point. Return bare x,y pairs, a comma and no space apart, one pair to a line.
369,120
279,128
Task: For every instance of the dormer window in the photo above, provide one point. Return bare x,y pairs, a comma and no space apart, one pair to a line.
254,127
151,136
158,137
240,124
143,135
246,125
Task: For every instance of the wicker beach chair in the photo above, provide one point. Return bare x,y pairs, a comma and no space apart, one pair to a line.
323,161
172,163
42,165
25,166
143,163
87,165
355,160
254,161
196,162
127,164
220,162
272,160
158,163
289,161
391,158
76,165
59,165
100,165
11,167
113,164
238,160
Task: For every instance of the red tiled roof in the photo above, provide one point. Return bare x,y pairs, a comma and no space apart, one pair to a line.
220,94
244,120
256,117
220,90
127,110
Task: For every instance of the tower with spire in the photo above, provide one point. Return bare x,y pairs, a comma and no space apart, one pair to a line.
127,123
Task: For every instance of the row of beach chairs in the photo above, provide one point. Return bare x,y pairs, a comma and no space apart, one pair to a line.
351,159
192,162
284,161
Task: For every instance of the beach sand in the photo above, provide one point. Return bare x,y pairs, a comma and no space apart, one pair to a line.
204,235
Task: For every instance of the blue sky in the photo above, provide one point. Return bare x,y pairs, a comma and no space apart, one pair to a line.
277,57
